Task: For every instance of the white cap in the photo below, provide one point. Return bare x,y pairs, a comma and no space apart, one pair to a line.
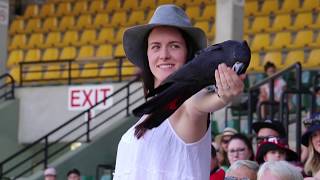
50,172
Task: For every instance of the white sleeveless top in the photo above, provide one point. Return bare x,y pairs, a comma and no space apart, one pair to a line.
162,155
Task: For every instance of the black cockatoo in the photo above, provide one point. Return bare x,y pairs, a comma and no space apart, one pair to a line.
191,78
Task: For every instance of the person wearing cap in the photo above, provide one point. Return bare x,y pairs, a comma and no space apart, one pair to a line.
179,148
268,128
50,174
311,139
275,149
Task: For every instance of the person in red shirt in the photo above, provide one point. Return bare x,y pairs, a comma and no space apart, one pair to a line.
216,173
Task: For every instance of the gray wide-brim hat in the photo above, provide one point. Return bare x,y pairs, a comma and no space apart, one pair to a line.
134,38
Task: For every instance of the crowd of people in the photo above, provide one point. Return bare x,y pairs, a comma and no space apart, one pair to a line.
234,154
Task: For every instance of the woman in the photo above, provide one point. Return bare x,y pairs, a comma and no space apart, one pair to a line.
240,148
180,147
311,139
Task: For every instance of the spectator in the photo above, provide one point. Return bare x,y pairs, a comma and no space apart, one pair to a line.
279,87
216,173
50,174
73,174
239,148
223,140
278,170
275,149
311,139
242,169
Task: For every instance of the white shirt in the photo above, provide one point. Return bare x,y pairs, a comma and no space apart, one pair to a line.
162,155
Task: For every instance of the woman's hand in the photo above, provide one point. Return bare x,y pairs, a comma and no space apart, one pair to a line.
229,83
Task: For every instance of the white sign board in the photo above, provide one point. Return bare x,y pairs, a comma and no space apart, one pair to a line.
84,97
4,13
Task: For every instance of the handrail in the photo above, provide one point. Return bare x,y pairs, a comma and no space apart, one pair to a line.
88,129
3,87
270,80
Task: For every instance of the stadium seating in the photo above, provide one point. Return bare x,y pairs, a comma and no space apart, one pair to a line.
281,22
50,54
86,52
50,24
96,6
15,57
47,10
31,11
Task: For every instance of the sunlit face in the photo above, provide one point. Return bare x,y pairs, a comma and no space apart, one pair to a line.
275,155
238,150
167,52
315,138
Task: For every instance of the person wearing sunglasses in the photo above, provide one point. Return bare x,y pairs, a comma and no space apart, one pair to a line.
275,149
311,139
240,148
242,170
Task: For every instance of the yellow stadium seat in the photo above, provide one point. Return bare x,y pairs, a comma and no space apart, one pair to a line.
47,9
246,25
36,41
88,37
75,71
84,21
147,4
53,71
50,54
290,6
90,70
136,17
181,3
18,41
15,57
313,60
310,5
119,51
119,35
33,25
212,32
128,69
33,55
251,8
80,7
67,23
104,51
209,12
269,6
260,42
96,6
53,39
106,35
198,2
281,40
193,12
260,24
17,26
69,38
113,5
31,11
15,73
281,22
255,65
119,18
50,24
302,21
294,56
34,72
64,9
130,5
86,52
303,39
68,53
101,20
274,57
159,2
110,69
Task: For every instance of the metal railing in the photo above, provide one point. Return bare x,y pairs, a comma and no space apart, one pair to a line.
298,89
6,87
56,141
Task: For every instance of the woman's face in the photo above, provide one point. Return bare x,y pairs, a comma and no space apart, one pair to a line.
167,52
275,155
237,150
315,138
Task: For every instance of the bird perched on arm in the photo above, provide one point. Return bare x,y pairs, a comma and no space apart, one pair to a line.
191,78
